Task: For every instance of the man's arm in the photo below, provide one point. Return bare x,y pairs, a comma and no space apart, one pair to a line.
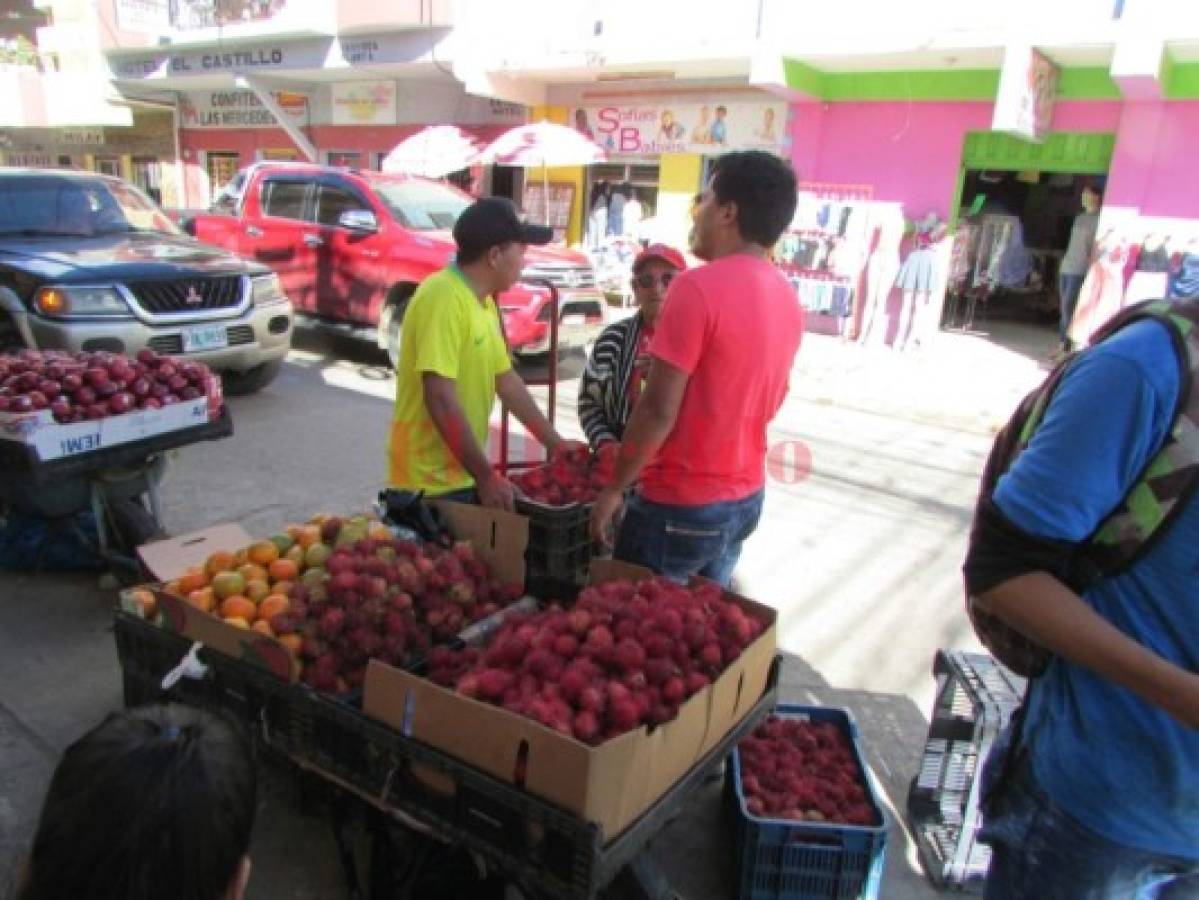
651,423
1042,608
516,397
441,400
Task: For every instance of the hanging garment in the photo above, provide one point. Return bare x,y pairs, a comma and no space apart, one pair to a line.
918,271
1102,294
1185,282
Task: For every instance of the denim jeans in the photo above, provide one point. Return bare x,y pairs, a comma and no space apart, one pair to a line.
681,541
1068,288
462,495
1040,853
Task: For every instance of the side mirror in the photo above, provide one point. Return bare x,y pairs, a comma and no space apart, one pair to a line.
360,220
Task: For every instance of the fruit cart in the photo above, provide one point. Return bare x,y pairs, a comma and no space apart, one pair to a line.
547,851
117,484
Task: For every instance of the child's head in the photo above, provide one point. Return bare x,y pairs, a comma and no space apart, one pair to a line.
153,804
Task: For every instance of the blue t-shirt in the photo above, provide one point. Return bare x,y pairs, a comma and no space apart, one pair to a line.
1123,768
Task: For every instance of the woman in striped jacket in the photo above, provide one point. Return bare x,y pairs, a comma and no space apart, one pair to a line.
619,361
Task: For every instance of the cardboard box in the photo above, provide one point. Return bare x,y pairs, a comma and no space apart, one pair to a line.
54,441
498,537
612,784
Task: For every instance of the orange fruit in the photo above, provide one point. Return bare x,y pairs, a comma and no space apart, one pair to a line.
284,570
264,627
220,561
317,555
293,642
240,557
202,599
307,535
146,601
262,552
378,532
272,606
172,587
256,589
295,553
237,622
191,580
239,607
252,571
283,587
226,584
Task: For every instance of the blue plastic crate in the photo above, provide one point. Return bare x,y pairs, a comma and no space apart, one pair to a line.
780,859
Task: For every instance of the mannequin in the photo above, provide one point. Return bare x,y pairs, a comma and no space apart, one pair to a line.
881,269
917,280
1077,260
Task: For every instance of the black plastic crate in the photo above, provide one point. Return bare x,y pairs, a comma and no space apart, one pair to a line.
782,859
559,550
976,697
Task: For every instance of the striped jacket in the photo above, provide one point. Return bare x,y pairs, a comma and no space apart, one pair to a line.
604,387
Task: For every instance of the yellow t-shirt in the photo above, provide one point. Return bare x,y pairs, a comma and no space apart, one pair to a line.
447,331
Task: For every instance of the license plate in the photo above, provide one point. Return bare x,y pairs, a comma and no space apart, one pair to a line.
209,337
576,319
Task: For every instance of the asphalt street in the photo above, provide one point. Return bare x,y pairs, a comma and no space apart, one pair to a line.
875,464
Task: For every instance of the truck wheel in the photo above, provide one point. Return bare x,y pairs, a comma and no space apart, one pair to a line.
238,384
392,319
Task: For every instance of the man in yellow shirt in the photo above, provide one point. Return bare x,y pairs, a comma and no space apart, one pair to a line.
454,360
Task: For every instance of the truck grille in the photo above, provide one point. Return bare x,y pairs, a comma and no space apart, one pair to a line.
188,295
563,276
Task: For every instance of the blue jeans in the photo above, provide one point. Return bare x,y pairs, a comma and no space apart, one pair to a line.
462,495
1040,853
1068,288
681,541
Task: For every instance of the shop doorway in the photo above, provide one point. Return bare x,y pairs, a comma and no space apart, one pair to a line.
1015,206
220,168
639,178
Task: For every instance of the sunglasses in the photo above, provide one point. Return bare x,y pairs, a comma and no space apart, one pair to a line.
646,280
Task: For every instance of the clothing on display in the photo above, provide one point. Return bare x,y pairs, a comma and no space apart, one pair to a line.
1102,294
919,271
826,294
1184,283
1151,278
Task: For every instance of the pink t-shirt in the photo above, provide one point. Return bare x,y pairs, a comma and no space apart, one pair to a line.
734,325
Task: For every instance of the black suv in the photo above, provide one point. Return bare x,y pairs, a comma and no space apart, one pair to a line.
88,262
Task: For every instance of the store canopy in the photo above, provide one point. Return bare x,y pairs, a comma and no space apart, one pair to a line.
433,152
542,144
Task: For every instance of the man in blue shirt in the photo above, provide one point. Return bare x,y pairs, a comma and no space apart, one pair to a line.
1104,799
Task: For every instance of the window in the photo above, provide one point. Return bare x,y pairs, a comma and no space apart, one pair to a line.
349,159
108,165
284,199
75,207
332,201
221,168
421,205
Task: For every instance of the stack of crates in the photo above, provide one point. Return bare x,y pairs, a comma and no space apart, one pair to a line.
559,550
976,697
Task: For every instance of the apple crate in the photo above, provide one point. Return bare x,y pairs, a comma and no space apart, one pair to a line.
781,859
559,549
976,697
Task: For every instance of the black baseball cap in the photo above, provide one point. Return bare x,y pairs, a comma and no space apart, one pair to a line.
491,221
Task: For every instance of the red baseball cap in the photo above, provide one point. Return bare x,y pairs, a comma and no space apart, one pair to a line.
662,252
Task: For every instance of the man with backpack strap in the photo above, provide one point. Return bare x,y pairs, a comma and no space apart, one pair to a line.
1083,571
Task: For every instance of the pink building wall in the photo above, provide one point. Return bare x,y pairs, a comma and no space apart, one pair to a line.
909,152
1153,170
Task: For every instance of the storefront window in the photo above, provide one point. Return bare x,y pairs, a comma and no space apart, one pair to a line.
108,165
347,158
147,175
221,167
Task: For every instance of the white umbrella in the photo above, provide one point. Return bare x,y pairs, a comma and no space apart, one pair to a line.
542,144
432,152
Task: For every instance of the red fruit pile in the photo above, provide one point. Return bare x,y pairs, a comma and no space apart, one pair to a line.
795,769
626,654
388,600
79,386
573,477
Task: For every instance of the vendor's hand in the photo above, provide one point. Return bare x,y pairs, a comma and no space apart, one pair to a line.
497,492
603,513
578,451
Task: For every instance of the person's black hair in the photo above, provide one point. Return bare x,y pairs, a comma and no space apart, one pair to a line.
155,803
722,109
470,255
764,188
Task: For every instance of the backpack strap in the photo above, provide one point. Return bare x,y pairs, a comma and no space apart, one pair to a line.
1171,477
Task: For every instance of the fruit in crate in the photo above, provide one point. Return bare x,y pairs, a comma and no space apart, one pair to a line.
348,593
805,771
626,654
573,477
95,385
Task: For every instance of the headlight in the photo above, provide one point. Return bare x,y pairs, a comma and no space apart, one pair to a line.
266,290
74,302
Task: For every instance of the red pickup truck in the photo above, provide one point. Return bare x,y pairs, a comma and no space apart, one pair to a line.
351,246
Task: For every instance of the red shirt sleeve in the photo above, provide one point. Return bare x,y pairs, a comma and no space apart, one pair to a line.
682,328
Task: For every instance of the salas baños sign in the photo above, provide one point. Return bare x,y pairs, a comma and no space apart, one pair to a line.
709,127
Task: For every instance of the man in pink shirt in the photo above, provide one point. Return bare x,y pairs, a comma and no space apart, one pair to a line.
721,358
